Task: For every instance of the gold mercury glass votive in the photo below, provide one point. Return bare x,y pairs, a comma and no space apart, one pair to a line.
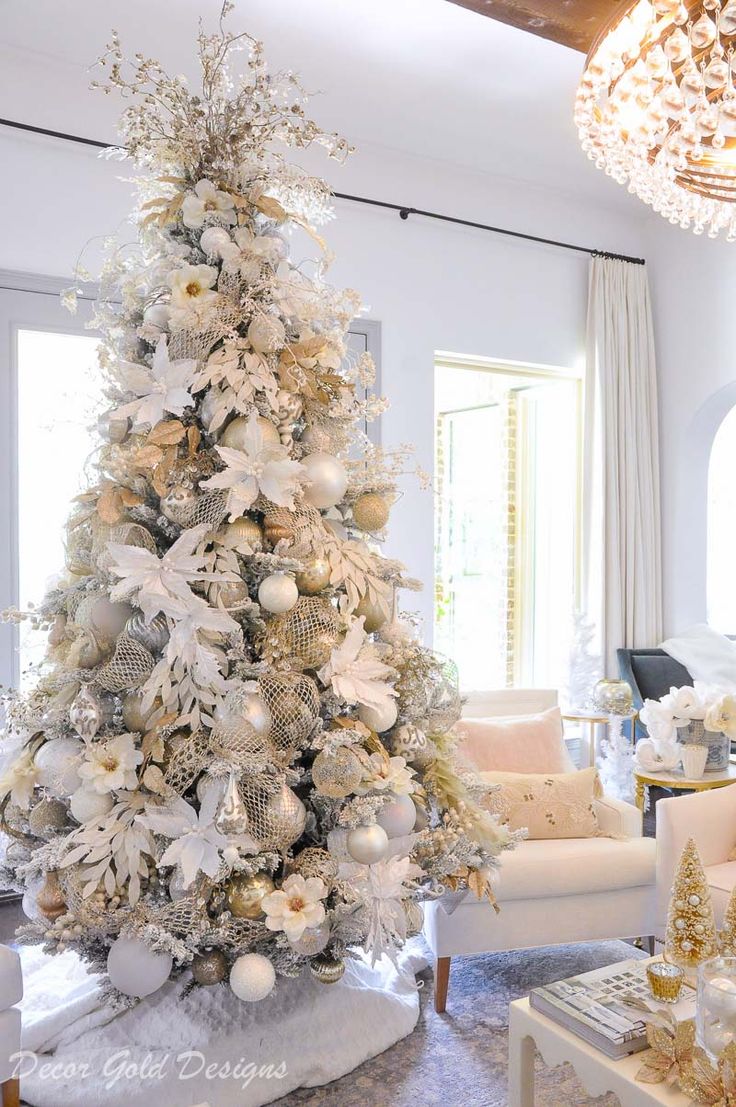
665,980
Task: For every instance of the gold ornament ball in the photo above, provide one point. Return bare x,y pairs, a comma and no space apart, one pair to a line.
244,895
47,818
274,532
336,774
373,614
50,900
234,434
209,967
314,577
178,503
134,717
232,593
328,970
371,512
245,530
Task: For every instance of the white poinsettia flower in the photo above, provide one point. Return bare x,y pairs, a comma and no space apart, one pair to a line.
296,906
18,779
386,774
162,583
191,286
111,766
354,671
164,387
197,843
262,467
207,202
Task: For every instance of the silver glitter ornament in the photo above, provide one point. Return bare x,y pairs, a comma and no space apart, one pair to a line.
153,635
232,817
86,713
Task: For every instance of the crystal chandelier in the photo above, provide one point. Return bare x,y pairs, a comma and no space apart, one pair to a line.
656,107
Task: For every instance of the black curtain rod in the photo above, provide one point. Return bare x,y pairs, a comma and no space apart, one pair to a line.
403,210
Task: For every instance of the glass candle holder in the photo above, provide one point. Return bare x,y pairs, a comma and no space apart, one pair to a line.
665,980
715,1015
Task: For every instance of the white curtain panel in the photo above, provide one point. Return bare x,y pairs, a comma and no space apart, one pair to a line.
621,501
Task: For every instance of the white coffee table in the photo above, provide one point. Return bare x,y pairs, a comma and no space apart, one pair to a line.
597,1073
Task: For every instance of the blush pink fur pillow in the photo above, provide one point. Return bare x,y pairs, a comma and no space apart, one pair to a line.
517,744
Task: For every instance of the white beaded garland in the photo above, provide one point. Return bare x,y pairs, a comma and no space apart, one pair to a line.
328,480
367,844
252,977
135,970
379,718
278,593
398,816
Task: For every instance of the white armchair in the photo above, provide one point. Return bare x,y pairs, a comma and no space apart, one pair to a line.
551,892
11,992
709,818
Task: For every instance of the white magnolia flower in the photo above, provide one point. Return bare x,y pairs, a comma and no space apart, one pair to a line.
686,704
270,248
262,467
355,672
162,387
162,583
19,779
191,286
110,766
296,906
721,716
207,201
386,775
197,843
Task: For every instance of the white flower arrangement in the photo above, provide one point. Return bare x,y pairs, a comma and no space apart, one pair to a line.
677,709
207,202
386,774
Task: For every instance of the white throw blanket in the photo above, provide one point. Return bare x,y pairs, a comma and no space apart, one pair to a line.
708,656
207,1047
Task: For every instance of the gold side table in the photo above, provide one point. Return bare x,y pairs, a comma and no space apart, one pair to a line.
678,782
589,720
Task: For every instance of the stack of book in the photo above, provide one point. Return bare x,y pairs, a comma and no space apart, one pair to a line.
593,1006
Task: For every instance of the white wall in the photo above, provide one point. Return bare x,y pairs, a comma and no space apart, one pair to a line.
433,286
693,282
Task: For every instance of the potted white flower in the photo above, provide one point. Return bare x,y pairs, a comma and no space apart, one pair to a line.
698,716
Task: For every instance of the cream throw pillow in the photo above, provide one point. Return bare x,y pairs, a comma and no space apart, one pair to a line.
549,805
516,744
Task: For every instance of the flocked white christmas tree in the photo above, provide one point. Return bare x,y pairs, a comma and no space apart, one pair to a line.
236,759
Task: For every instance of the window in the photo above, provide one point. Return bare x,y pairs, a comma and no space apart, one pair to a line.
507,464
721,594
53,393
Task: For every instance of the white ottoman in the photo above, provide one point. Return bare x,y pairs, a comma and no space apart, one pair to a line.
11,992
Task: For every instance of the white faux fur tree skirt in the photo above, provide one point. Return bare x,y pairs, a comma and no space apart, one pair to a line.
208,1047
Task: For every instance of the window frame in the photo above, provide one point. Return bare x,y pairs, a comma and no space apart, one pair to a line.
520,554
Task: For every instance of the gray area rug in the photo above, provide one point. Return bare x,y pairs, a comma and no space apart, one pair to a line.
460,1057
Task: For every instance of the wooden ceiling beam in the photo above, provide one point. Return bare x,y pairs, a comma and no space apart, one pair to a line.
573,23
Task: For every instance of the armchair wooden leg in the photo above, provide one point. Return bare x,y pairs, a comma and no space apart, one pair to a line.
441,980
11,1093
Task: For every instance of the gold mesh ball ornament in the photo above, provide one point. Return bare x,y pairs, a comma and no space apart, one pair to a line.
237,740
125,534
314,861
130,666
294,525
294,703
210,509
307,634
188,756
276,815
196,342
371,511
336,774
